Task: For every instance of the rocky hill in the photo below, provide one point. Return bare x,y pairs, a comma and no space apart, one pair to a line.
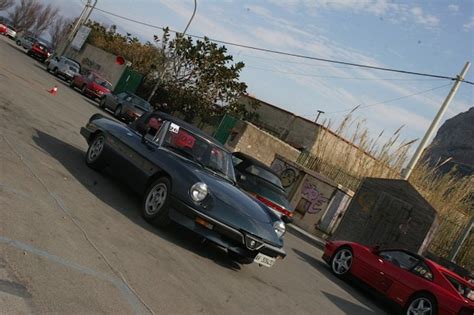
455,140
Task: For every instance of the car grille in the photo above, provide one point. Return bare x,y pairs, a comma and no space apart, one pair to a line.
253,243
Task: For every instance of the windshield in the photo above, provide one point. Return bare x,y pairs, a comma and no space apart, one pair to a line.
264,174
73,64
200,150
270,192
103,83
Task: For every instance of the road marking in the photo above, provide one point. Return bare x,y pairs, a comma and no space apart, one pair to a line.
118,283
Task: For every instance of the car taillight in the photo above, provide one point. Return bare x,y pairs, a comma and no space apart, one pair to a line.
274,206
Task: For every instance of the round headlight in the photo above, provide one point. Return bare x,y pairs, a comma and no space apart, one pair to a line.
199,191
280,228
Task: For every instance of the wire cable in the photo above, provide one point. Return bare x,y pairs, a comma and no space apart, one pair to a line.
272,51
390,100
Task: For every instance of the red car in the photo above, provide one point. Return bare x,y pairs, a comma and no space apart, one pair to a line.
417,284
92,85
3,29
39,50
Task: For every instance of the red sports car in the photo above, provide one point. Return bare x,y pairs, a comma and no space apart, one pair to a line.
417,284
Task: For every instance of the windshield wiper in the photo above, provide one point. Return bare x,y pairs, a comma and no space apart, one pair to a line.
218,173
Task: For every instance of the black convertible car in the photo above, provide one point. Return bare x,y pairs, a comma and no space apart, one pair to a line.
187,177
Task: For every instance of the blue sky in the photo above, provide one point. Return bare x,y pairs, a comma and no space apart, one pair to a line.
424,36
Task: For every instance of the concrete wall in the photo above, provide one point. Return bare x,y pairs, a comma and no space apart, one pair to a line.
249,139
98,60
303,133
319,203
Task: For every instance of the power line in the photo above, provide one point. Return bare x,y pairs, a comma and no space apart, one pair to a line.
336,77
272,51
390,100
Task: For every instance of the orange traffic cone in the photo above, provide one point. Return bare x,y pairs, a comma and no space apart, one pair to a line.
53,91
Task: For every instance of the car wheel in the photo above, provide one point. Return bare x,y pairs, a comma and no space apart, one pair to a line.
102,103
18,43
84,90
55,71
239,258
341,261
71,84
155,208
118,111
422,304
94,155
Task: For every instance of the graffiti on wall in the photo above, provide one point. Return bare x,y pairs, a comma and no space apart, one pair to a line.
288,175
312,200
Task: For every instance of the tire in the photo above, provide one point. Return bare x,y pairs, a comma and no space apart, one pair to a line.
55,71
94,155
102,103
118,111
83,90
18,43
239,258
421,301
71,84
155,206
341,262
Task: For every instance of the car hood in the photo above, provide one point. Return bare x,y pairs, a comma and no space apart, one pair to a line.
236,208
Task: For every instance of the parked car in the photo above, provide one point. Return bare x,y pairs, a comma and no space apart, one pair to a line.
417,284
3,29
39,50
125,105
11,32
64,67
91,84
262,182
25,41
187,177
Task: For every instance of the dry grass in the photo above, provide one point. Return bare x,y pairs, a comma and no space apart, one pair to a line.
347,166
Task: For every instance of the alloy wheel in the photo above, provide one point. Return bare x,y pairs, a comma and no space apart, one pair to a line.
96,149
156,199
420,306
342,261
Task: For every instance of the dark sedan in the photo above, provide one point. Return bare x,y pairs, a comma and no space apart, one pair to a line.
125,105
187,177
260,181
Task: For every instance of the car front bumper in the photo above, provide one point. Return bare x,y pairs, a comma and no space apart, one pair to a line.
220,233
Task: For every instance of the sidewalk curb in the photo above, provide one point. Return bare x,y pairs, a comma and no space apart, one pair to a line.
305,236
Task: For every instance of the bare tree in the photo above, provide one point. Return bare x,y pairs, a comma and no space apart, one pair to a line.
5,4
59,30
45,18
24,14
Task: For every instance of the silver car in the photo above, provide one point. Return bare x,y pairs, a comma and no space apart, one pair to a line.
64,67
25,41
125,105
11,32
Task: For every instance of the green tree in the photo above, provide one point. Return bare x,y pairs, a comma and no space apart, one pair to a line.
197,77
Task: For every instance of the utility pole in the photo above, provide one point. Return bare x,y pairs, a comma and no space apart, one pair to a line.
165,66
435,122
460,241
317,117
85,14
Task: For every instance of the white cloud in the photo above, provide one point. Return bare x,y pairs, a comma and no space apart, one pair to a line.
428,20
469,25
453,7
395,12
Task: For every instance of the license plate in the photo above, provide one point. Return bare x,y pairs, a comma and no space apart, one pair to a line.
264,260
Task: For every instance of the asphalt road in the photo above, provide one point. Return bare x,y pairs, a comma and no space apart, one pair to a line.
72,240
